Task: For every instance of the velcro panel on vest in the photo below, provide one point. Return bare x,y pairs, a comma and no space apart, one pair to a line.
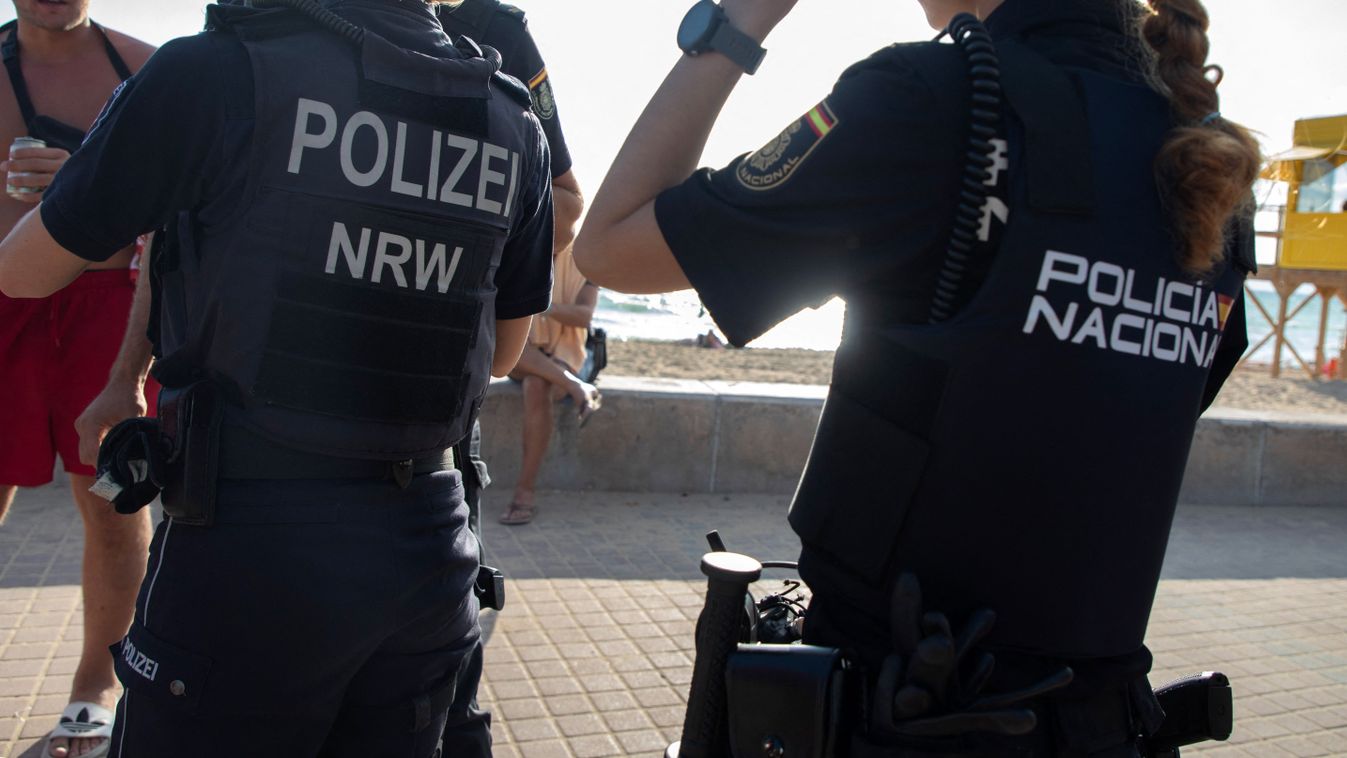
450,93
376,313
1059,168
380,356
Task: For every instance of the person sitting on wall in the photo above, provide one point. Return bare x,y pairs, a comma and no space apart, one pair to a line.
552,368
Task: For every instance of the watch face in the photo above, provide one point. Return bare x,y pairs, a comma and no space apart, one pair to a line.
698,26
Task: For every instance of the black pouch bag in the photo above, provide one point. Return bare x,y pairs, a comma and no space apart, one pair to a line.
596,344
190,424
786,697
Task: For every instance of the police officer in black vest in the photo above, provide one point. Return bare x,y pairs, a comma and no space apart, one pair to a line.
1043,287
361,223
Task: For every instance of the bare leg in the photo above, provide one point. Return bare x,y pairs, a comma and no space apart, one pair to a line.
537,436
535,363
6,499
116,548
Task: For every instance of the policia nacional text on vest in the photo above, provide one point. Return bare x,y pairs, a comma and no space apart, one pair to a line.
1026,455
347,308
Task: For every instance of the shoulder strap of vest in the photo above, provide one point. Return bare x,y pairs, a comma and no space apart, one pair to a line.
1057,163
472,17
10,50
517,90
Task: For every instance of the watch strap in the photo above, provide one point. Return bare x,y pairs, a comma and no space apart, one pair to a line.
737,46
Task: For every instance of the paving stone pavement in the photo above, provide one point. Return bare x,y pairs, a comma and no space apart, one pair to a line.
592,656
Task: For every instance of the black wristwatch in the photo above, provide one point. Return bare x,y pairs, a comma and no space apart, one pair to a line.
706,27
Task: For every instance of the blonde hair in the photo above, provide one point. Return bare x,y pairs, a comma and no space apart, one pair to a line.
1208,164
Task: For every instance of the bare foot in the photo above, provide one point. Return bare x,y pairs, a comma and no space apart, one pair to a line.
73,747
521,509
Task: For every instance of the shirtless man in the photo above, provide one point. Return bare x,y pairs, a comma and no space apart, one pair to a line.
56,353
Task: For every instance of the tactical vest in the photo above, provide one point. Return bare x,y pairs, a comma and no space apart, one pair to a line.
1026,455
348,305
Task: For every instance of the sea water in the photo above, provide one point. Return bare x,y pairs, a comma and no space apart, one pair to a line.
680,316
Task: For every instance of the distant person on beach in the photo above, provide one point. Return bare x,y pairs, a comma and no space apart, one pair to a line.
552,368
504,28
57,352
1041,298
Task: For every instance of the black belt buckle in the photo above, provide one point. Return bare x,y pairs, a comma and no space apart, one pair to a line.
402,472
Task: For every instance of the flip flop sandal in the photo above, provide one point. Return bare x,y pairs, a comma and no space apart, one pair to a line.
84,721
517,514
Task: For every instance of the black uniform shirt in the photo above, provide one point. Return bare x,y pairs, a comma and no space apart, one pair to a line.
507,31
175,139
858,197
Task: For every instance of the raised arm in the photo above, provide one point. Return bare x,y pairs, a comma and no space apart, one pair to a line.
620,245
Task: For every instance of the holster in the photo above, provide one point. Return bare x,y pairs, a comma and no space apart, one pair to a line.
786,696
189,425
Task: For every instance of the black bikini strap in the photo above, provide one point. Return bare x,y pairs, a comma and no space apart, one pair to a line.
114,57
10,49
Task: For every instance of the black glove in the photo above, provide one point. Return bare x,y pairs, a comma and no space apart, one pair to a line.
130,465
932,687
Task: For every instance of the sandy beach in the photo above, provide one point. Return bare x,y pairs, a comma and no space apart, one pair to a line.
1250,388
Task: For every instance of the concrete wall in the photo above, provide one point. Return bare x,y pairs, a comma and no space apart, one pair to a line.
670,435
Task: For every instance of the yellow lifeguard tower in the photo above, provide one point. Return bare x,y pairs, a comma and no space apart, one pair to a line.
1312,234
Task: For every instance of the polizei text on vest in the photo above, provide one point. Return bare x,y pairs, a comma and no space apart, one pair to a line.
407,160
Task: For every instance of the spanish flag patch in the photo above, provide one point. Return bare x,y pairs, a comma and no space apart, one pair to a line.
1224,305
777,161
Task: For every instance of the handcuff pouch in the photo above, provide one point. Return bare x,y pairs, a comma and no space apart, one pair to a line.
784,695
190,421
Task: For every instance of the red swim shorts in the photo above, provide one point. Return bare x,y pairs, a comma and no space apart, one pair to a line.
55,354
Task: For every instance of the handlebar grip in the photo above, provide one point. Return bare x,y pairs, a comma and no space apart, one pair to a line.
706,722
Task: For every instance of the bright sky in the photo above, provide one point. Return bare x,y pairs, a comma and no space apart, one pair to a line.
1283,60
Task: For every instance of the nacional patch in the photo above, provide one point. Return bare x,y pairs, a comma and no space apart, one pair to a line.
544,104
778,160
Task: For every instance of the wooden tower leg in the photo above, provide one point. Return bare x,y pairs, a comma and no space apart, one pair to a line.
1341,373
1320,357
1284,294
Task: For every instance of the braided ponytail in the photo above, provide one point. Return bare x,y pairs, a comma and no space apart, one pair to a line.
1207,165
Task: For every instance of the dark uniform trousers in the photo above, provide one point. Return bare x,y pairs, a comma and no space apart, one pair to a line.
315,618
468,730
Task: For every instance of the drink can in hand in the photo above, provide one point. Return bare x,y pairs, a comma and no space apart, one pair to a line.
22,143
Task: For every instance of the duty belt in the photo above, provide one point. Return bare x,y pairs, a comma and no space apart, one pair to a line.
247,455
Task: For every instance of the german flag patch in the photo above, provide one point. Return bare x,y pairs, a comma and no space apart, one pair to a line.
777,161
